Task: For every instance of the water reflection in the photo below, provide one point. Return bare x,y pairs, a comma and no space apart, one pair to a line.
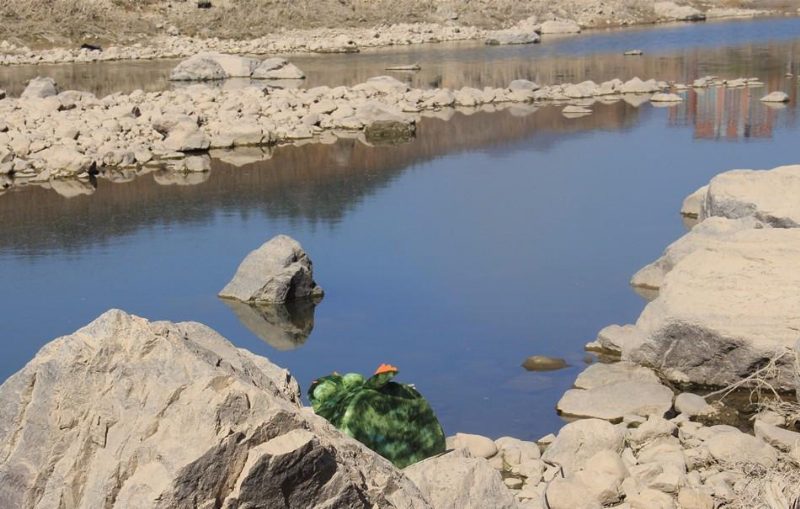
735,113
682,53
314,183
282,326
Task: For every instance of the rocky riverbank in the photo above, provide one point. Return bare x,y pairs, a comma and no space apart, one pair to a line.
47,135
169,41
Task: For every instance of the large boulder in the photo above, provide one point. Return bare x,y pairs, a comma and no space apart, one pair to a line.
235,66
713,234
769,196
39,88
456,480
131,413
278,271
725,310
200,67
277,69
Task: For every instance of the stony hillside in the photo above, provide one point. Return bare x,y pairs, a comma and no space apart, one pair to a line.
56,22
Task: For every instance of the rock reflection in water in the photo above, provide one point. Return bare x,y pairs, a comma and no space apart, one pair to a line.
735,113
681,53
282,326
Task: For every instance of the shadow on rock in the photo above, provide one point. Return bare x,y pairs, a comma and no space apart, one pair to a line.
283,326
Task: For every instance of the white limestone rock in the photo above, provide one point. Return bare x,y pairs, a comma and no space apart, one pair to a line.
455,480
769,196
713,234
477,445
580,440
600,374
131,413
721,312
730,445
612,402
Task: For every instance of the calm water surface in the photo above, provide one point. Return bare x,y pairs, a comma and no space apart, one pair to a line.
679,52
488,238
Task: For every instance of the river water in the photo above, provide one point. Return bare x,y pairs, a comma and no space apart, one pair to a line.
488,238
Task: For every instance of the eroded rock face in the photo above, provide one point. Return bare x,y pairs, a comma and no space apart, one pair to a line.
278,271
131,413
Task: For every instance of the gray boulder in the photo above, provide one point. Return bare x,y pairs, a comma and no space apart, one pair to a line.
131,413
39,88
278,271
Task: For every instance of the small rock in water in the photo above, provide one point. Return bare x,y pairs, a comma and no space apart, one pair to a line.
633,53
543,363
278,271
776,97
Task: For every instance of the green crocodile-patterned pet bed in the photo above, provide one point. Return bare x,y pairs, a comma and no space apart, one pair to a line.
391,418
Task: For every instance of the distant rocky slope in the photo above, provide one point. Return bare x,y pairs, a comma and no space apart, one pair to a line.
55,22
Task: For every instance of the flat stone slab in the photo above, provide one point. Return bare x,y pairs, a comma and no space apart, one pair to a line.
612,402
598,375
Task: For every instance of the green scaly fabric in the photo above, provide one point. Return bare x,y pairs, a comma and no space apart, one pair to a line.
391,418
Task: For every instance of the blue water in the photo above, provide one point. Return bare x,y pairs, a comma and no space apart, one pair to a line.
487,239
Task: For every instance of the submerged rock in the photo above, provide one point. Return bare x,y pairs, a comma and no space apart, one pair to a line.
131,413
543,363
278,271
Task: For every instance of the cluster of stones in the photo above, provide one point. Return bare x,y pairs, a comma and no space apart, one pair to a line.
637,446
47,134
